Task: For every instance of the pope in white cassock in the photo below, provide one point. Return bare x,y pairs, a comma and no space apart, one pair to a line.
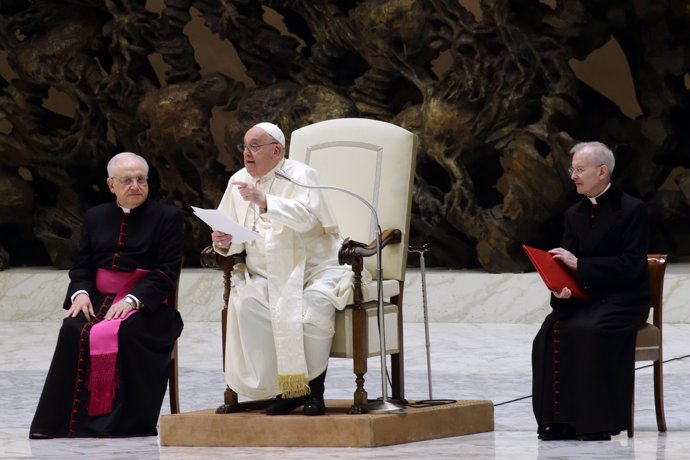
282,305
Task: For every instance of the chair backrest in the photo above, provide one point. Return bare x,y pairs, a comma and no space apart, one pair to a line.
656,264
373,159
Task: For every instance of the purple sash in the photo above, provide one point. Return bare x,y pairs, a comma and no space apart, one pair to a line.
103,340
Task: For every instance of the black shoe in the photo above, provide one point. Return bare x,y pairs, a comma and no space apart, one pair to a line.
282,406
558,432
39,436
594,437
314,405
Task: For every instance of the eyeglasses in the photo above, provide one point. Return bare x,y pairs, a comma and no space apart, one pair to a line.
252,147
141,180
578,171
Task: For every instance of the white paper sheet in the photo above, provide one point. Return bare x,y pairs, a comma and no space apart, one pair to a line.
218,221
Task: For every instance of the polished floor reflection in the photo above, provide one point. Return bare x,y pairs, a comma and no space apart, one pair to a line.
468,361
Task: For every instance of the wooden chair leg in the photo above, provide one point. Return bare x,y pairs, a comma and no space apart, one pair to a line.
231,402
230,397
232,405
659,395
173,390
360,352
397,382
397,359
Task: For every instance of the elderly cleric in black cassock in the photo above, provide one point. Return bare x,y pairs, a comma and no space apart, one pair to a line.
121,241
583,355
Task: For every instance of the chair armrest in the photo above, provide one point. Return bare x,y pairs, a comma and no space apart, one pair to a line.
209,258
351,251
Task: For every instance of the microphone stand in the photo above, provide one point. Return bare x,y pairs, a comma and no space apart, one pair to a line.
384,405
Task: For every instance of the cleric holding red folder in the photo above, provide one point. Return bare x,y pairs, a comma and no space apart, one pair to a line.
583,355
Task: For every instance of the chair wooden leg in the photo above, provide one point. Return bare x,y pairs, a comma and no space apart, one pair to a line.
229,396
397,378
173,390
231,402
397,359
360,350
232,405
659,395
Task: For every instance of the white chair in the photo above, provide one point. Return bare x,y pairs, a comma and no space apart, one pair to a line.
375,160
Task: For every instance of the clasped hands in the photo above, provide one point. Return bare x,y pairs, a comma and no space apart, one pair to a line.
570,261
82,304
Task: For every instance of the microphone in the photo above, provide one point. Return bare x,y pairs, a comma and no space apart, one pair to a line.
280,173
283,175
374,407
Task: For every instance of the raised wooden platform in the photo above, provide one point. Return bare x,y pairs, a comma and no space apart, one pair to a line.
335,429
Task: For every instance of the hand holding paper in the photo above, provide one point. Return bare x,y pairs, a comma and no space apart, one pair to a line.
219,221
221,239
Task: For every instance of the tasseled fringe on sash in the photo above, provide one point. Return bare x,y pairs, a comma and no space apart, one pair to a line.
293,385
102,384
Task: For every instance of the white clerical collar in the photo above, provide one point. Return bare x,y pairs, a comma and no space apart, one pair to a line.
593,199
125,210
271,174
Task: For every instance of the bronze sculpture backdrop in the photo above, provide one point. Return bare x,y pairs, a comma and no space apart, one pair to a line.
494,125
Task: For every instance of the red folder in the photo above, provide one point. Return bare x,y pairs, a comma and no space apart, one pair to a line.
555,274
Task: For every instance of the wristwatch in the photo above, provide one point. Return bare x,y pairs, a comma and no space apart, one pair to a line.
132,302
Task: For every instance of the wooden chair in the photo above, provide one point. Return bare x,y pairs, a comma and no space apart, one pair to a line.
649,342
375,160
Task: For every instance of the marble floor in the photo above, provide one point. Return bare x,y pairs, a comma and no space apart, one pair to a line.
468,361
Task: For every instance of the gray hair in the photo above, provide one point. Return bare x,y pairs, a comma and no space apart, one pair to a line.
600,152
123,155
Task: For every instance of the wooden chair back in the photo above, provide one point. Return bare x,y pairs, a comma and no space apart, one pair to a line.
649,339
656,264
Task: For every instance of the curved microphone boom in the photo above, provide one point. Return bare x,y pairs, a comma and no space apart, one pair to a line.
383,406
